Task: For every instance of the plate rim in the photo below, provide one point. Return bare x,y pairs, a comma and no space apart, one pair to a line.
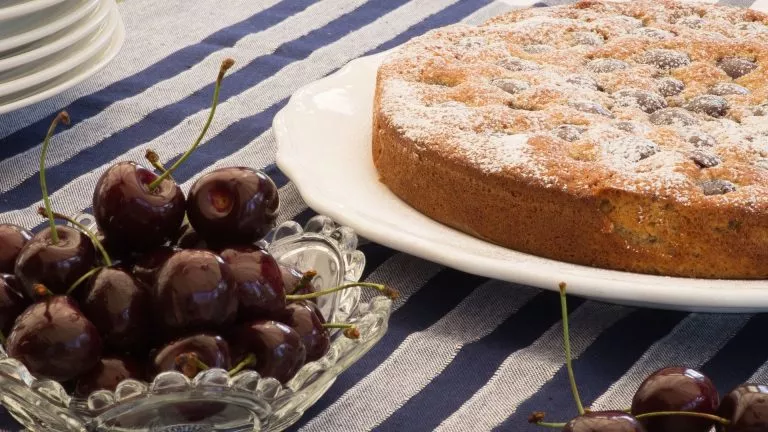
105,57
26,8
49,28
741,297
79,56
73,34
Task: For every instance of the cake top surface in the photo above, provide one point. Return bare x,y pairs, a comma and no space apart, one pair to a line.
654,97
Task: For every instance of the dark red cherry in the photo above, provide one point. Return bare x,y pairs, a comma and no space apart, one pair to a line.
190,239
12,239
746,407
128,213
148,264
233,205
676,389
258,279
210,349
54,340
604,421
278,348
57,266
119,306
307,319
12,302
107,374
195,290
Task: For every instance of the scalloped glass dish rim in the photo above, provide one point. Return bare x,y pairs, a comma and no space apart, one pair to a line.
335,115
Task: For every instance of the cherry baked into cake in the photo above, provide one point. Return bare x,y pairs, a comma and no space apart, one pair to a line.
624,135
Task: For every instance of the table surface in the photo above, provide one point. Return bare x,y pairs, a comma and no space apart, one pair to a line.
463,353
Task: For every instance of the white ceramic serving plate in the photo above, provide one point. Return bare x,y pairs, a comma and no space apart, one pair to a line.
56,42
29,28
324,136
20,8
73,77
50,67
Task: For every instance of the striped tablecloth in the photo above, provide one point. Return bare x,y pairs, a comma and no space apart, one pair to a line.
463,353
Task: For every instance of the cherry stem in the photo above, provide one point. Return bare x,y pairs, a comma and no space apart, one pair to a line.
225,65
350,330
718,419
83,278
41,291
567,344
83,228
550,425
190,364
305,280
154,159
247,361
389,292
538,418
62,117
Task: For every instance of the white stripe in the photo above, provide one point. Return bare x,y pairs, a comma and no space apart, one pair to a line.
421,357
155,29
760,375
691,343
127,112
525,371
404,273
256,99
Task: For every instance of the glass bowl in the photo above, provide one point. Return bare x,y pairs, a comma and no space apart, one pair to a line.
214,400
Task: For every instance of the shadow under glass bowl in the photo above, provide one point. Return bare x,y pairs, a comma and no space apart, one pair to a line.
214,400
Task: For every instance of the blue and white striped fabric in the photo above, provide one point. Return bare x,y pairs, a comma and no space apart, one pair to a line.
463,353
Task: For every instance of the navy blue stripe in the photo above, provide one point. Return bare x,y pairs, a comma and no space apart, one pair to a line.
604,362
168,67
476,363
161,120
740,357
438,297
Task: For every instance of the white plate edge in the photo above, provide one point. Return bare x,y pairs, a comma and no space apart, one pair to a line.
731,299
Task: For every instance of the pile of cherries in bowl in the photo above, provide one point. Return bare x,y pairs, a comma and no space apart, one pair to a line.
169,282
671,399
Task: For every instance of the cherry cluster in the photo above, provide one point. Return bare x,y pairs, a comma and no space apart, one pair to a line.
671,399
168,283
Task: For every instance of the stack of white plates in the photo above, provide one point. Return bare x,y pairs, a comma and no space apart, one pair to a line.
48,46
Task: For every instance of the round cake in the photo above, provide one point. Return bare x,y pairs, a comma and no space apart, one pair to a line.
624,135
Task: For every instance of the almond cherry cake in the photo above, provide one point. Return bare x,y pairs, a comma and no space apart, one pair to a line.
623,135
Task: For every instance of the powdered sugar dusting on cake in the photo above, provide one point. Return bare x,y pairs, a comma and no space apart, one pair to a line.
497,95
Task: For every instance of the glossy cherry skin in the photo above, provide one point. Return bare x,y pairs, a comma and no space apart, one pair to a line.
12,239
148,264
604,421
118,305
107,374
54,340
258,279
195,290
132,216
307,319
746,407
190,239
233,205
12,302
676,389
57,266
209,348
277,347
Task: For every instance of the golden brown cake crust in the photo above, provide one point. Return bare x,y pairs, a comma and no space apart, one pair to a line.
630,136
